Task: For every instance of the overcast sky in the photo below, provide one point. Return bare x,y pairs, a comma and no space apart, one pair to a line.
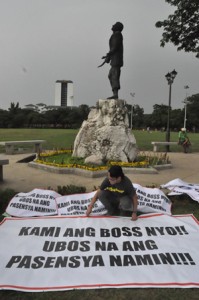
47,40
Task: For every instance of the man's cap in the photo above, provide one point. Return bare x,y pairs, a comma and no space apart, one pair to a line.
183,129
116,171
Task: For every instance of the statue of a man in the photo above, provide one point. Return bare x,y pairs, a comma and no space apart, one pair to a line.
115,58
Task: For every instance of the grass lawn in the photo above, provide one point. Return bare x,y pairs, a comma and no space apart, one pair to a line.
63,138
106,294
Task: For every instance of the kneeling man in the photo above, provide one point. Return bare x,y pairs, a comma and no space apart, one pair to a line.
116,193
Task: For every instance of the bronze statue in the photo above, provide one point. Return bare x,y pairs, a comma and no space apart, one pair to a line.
115,58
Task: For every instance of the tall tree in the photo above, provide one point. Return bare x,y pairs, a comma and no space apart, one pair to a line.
192,111
4,118
176,119
159,116
182,27
138,114
14,108
83,111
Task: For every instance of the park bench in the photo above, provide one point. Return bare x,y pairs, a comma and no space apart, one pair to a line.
2,163
10,145
156,144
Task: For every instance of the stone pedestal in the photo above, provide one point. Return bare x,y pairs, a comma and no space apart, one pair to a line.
105,135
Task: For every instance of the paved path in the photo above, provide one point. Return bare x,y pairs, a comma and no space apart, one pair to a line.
22,178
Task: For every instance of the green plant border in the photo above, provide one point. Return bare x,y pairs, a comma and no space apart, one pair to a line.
144,160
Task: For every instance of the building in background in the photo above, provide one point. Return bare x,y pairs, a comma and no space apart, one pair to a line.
64,93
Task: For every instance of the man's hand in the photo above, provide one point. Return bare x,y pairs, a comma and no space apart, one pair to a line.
94,199
106,58
134,216
89,210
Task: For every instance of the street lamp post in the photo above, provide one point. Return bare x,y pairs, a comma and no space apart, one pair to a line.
170,78
132,95
185,106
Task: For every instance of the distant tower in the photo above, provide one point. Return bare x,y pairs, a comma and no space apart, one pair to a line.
64,93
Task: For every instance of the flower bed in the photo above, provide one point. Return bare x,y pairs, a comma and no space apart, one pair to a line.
63,159
62,162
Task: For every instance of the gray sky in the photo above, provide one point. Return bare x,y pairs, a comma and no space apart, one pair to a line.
47,40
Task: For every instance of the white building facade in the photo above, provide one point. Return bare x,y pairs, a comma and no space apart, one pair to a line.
64,93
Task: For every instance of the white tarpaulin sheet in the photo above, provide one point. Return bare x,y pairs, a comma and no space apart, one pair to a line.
38,202
63,253
152,200
46,202
179,187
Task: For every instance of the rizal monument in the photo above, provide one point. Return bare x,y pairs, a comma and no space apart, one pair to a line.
105,135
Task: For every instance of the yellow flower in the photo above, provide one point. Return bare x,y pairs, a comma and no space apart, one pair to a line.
44,155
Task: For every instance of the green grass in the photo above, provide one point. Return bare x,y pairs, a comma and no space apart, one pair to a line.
64,138
144,140
64,158
106,294
55,138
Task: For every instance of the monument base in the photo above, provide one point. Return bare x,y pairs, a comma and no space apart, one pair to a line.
106,135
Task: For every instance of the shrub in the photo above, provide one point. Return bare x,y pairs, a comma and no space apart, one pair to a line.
5,196
70,189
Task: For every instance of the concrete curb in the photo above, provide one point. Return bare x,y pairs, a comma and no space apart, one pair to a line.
96,174
163,167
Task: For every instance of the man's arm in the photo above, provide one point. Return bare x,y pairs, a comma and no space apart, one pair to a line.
94,199
106,60
135,204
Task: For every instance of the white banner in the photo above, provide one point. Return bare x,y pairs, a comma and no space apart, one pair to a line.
35,203
46,202
152,200
77,205
63,253
179,187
